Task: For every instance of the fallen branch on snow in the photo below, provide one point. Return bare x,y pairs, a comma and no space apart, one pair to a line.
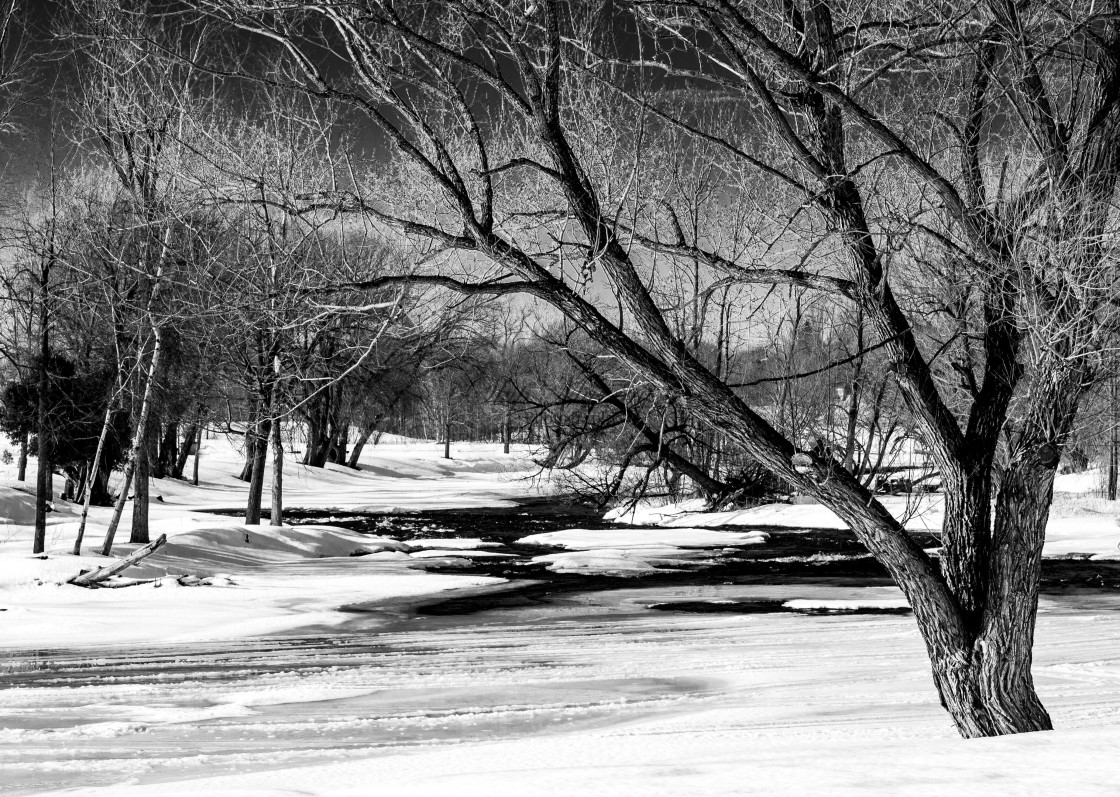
94,577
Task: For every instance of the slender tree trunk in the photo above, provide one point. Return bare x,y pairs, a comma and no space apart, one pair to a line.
1113,440
197,456
506,423
140,490
43,492
447,441
94,470
137,442
276,517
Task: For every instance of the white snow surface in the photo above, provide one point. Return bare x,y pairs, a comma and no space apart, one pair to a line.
635,552
273,579
586,539
1078,525
742,704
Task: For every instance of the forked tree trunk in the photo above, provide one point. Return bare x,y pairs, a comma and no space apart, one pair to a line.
986,686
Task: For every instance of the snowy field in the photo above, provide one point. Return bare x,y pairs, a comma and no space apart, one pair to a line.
174,690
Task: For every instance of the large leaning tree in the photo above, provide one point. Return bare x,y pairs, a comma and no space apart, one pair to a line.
948,169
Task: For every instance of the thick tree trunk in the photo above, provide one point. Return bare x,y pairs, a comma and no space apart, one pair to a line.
987,686
340,435
140,491
318,431
447,441
21,471
184,451
168,453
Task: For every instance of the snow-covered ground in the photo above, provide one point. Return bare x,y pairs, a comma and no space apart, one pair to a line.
270,580
597,694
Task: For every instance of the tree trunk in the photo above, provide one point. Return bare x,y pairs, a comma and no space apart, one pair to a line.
43,480
363,438
447,441
21,473
261,433
506,423
140,491
276,517
94,474
168,453
184,451
318,431
137,442
250,455
987,686
1113,440
197,455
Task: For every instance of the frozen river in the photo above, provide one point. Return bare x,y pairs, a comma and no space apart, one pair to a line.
588,660
102,716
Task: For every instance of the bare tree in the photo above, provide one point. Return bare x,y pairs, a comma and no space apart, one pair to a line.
824,113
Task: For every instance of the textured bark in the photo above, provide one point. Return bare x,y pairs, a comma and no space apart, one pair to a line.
140,491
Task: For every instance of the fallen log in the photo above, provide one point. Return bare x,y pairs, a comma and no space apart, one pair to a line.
93,577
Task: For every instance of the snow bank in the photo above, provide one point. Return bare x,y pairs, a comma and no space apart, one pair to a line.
585,539
845,605
635,552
